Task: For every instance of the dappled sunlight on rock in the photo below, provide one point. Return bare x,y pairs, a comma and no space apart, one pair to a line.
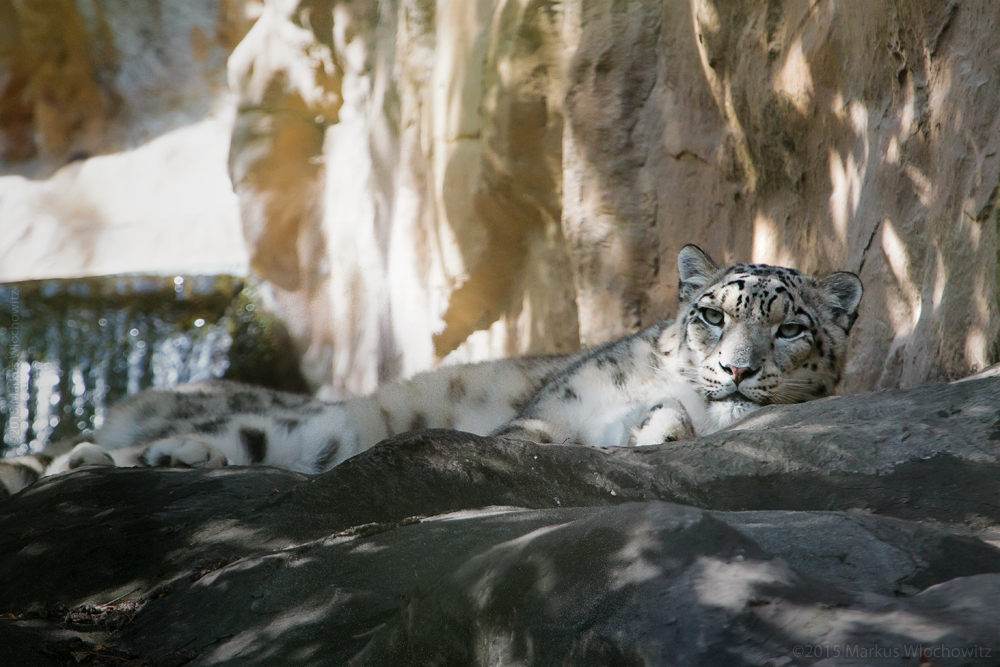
896,254
922,187
632,564
754,454
504,178
732,585
543,578
230,531
259,644
841,626
462,551
473,514
940,279
366,548
794,79
766,246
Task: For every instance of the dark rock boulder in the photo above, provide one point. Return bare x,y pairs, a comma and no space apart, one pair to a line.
844,530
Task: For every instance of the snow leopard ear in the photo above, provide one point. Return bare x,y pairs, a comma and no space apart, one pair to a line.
696,270
843,291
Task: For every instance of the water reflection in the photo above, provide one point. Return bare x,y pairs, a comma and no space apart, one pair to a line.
71,348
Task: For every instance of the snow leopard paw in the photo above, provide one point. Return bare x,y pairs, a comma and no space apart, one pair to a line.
666,421
84,454
88,454
183,453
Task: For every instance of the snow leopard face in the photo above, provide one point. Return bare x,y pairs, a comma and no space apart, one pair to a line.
758,334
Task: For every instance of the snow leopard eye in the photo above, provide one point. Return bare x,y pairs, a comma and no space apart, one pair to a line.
712,316
790,330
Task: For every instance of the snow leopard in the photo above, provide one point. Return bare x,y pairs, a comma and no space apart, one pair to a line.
744,336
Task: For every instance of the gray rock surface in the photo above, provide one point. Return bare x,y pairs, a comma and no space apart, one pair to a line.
440,548
864,551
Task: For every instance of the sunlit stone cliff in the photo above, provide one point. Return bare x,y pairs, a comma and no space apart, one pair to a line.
417,180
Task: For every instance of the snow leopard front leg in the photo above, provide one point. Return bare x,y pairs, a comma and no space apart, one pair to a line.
622,394
666,421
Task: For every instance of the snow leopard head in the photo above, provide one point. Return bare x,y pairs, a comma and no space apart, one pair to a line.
757,334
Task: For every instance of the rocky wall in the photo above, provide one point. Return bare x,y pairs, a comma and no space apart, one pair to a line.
115,124
422,179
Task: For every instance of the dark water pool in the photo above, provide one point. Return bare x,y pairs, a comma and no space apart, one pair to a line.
71,348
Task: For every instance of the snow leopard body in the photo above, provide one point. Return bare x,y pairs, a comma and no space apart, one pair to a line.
745,336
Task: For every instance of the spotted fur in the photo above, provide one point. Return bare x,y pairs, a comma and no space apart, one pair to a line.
745,336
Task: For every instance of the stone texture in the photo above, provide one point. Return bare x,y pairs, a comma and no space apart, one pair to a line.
168,202
628,585
841,136
421,181
436,213
439,547
517,177
115,124
864,551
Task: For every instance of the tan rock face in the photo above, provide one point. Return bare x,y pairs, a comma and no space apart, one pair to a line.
115,124
436,213
54,102
517,177
425,180
859,140
824,138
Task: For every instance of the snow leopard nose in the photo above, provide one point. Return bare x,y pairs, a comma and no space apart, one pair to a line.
739,373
